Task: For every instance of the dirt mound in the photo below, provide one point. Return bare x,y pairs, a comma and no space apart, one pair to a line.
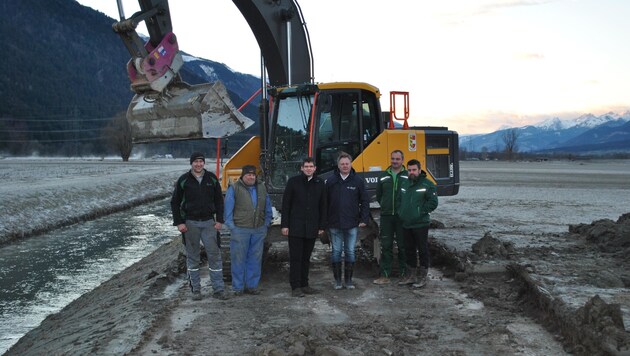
490,246
610,236
603,322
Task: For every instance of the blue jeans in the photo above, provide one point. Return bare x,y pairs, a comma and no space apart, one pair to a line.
246,249
343,240
204,231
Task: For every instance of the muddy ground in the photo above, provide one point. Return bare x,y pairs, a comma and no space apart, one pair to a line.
531,260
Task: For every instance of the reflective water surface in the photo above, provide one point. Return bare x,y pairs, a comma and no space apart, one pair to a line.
41,275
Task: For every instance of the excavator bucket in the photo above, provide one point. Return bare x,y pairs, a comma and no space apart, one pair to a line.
185,112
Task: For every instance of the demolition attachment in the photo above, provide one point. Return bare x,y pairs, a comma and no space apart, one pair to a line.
185,112
165,108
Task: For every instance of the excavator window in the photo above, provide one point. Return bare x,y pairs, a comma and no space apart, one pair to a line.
338,128
369,117
290,144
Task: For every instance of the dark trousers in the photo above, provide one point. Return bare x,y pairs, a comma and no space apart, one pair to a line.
300,250
391,226
417,240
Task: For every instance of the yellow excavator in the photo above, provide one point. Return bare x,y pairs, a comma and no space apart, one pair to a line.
298,117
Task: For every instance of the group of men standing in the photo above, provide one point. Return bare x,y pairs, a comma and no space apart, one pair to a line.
311,207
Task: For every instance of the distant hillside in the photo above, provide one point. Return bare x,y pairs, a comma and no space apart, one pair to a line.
613,136
606,133
63,77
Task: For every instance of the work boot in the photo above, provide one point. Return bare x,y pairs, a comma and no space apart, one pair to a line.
297,292
252,291
410,277
348,275
422,278
381,280
309,290
220,295
337,274
196,295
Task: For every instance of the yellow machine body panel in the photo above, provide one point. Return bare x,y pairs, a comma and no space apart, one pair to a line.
376,156
248,154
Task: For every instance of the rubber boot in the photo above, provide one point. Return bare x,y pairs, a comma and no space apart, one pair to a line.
337,274
422,278
347,272
410,277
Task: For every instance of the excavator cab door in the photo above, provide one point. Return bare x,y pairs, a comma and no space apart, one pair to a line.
320,124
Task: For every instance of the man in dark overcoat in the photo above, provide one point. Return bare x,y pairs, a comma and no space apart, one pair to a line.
303,220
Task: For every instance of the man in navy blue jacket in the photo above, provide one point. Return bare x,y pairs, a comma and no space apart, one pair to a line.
348,209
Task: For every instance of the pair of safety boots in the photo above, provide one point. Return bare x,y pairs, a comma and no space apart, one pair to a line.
221,295
416,277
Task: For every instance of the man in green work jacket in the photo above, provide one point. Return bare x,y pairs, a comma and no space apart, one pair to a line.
418,198
390,226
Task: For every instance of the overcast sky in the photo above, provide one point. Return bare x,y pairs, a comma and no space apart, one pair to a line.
471,65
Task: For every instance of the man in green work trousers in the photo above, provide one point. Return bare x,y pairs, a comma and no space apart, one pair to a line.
391,227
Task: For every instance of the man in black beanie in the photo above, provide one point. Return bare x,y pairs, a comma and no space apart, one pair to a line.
197,206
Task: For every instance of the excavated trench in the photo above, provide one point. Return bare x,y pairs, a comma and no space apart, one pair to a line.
595,328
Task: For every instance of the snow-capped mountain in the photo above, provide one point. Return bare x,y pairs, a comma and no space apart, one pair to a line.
586,133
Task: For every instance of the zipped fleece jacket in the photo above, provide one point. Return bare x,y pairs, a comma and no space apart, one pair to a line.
197,201
348,201
387,190
418,198
304,206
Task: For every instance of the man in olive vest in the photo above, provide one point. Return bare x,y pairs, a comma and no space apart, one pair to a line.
247,214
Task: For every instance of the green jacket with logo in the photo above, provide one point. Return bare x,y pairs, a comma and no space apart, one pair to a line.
418,198
387,190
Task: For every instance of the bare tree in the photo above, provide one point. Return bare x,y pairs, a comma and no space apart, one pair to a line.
484,153
118,133
510,139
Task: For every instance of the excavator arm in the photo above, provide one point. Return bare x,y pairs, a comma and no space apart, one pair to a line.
283,38
166,108
154,64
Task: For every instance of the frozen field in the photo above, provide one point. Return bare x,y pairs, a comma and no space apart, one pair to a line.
39,194
517,200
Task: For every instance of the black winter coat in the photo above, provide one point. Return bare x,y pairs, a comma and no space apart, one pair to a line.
304,206
197,201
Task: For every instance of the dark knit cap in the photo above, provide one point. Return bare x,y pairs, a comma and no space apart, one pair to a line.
248,169
197,155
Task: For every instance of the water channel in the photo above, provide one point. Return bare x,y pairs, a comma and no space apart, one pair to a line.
41,275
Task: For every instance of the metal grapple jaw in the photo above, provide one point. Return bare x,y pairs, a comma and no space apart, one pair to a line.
184,112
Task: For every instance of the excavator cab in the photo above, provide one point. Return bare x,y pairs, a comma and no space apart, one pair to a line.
321,120
164,107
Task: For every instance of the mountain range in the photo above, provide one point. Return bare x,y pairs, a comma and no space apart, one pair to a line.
586,134
63,79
